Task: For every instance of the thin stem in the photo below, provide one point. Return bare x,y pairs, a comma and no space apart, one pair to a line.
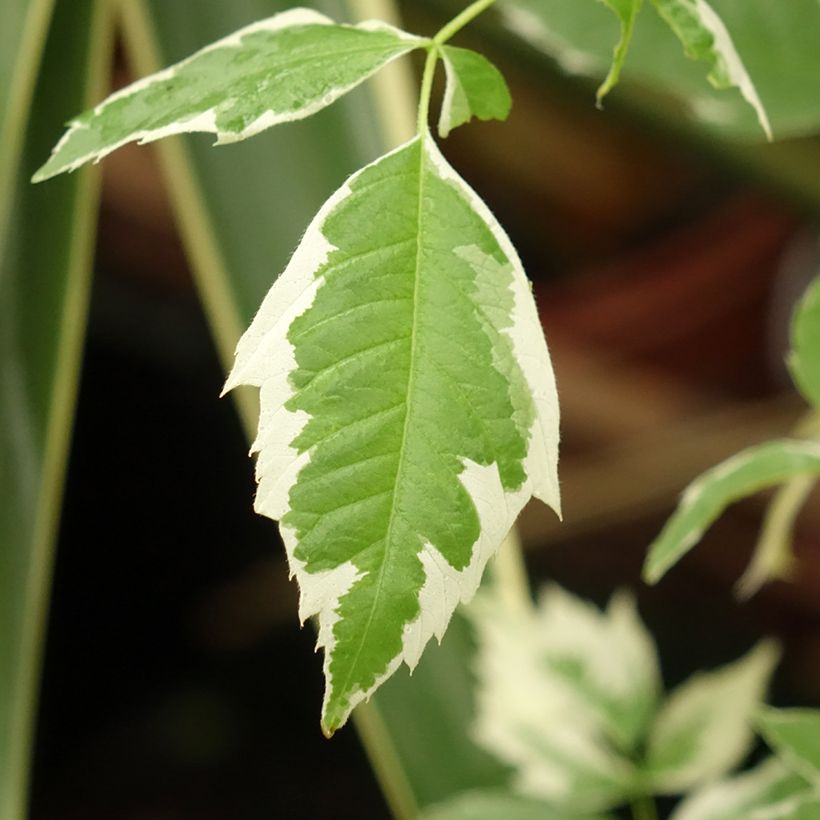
457,23
427,88
643,808
453,27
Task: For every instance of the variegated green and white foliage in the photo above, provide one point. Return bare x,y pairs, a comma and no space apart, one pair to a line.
783,787
408,411
408,404
571,35
571,698
277,70
792,464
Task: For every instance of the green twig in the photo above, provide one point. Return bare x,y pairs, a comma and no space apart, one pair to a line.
445,33
643,808
457,23
427,88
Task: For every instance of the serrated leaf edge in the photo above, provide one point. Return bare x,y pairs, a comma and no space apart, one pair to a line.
444,587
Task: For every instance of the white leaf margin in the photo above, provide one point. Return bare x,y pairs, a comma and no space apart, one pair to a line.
279,464
741,797
726,55
728,697
529,717
206,120
451,86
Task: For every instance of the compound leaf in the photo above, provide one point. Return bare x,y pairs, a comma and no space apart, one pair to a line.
475,88
408,411
277,70
795,735
745,473
704,728
704,36
626,11
770,790
804,358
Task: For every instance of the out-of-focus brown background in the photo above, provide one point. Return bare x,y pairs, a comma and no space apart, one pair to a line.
177,682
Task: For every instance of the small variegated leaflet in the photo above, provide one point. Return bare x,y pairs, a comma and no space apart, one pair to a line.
408,405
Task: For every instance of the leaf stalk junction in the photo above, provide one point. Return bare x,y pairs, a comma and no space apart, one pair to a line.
433,53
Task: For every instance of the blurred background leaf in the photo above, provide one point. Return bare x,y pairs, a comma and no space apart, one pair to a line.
22,37
44,282
774,40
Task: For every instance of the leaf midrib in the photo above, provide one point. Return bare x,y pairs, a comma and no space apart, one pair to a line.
403,445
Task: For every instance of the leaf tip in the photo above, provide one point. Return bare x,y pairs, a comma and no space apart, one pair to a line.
42,174
653,571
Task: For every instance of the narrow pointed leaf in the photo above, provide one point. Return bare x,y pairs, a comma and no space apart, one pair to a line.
773,558
626,11
804,359
22,36
44,287
770,790
475,88
704,36
794,734
751,470
278,70
399,435
705,728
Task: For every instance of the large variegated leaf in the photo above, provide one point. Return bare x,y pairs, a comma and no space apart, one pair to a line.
475,88
795,735
408,411
704,36
554,685
769,791
278,70
704,729
751,470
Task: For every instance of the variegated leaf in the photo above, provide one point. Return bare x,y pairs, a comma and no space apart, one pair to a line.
277,70
704,36
794,734
704,729
804,358
475,88
770,790
751,470
555,685
408,411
